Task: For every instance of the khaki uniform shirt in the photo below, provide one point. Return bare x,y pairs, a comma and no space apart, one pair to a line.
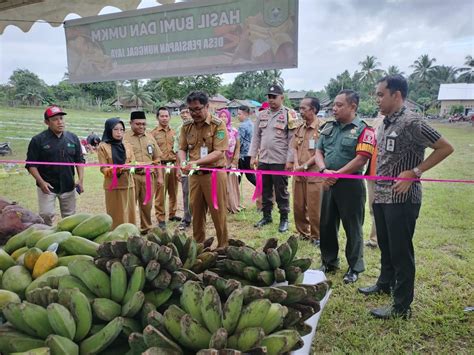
104,154
165,139
212,134
304,143
144,146
272,136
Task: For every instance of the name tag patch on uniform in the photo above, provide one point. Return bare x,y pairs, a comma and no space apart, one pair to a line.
149,149
204,151
47,146
391,142
71,145
312,144
220,135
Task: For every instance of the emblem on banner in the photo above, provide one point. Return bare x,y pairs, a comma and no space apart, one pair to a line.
275,12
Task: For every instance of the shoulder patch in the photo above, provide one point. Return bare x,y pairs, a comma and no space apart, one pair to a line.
220,134
188,122
364,122
216,121
367,136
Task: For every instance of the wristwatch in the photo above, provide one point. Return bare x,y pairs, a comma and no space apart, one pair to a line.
417,172
305,167
321,171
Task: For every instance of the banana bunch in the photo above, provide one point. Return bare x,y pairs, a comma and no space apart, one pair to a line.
275,263
201,320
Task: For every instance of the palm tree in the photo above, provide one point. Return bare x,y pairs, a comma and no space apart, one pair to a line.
393,70
272,76
370,71
139,96
467,75
444,74
423,68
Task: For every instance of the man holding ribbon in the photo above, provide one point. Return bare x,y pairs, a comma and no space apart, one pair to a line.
402,140
204,138
344,147
164,135
146,152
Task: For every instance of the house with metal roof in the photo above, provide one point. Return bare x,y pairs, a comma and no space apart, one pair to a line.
456,94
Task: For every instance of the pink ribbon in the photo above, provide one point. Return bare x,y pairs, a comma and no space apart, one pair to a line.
214,189
147,185
114,182
258,187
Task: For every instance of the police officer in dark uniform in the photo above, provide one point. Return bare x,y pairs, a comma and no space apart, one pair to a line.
344,147
271,142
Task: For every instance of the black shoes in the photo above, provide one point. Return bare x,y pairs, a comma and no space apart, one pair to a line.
351,276
175,219
283,227
267,219
184,225
316,243
373,290
390,312
328,268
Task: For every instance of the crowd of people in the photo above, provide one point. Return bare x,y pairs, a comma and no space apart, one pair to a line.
280,141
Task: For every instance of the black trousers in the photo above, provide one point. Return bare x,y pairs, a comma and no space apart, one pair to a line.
280,184
395,225
344,201
244,163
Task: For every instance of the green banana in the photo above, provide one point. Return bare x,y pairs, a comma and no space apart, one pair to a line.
266,277
274,294
193,334
219,339
177,280
246,255
316,292
133,305
12,341
274,318
293,243
172,318
281,342
81,311
135,244
294,293
136,283
147,308
279,275
251,273
306,311
160,351
69,281
252,293
247,339
61,320
303,263
95,279
59,271
118,282
37,351
155,338
163,280
60,345
137,343
302,328
13,313
232,310
253,314
65,260
174,249
106,309
152,270
211,278
233,252
119,248
260,260
286,254
105,251
190,300
190,275
164,254
173,264
211,309
158,297
191,253
292,317
273,258
270,243
293,274
37,319
103,338
130,262
130,326
156,319
148,251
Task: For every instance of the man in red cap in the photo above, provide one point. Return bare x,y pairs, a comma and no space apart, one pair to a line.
55,144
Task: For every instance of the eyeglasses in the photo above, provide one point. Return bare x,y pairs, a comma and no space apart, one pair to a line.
196,110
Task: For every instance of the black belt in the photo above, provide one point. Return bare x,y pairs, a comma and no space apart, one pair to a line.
205,172
168,161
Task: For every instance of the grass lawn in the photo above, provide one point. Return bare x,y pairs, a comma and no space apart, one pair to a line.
444,247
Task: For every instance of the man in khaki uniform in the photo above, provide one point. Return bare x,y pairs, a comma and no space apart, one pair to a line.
307,191
204,138
164,136
147,152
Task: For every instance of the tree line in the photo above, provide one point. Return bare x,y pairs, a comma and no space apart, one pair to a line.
26,88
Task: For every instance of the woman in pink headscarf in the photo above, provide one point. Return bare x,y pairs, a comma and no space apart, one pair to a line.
232,159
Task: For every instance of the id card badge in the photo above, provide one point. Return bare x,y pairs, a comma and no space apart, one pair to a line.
149,149
390,144
312,144
204,151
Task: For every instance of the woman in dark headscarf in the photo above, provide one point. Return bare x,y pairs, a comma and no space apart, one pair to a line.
120,200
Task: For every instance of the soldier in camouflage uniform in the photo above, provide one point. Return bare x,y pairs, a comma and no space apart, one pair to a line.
271,142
